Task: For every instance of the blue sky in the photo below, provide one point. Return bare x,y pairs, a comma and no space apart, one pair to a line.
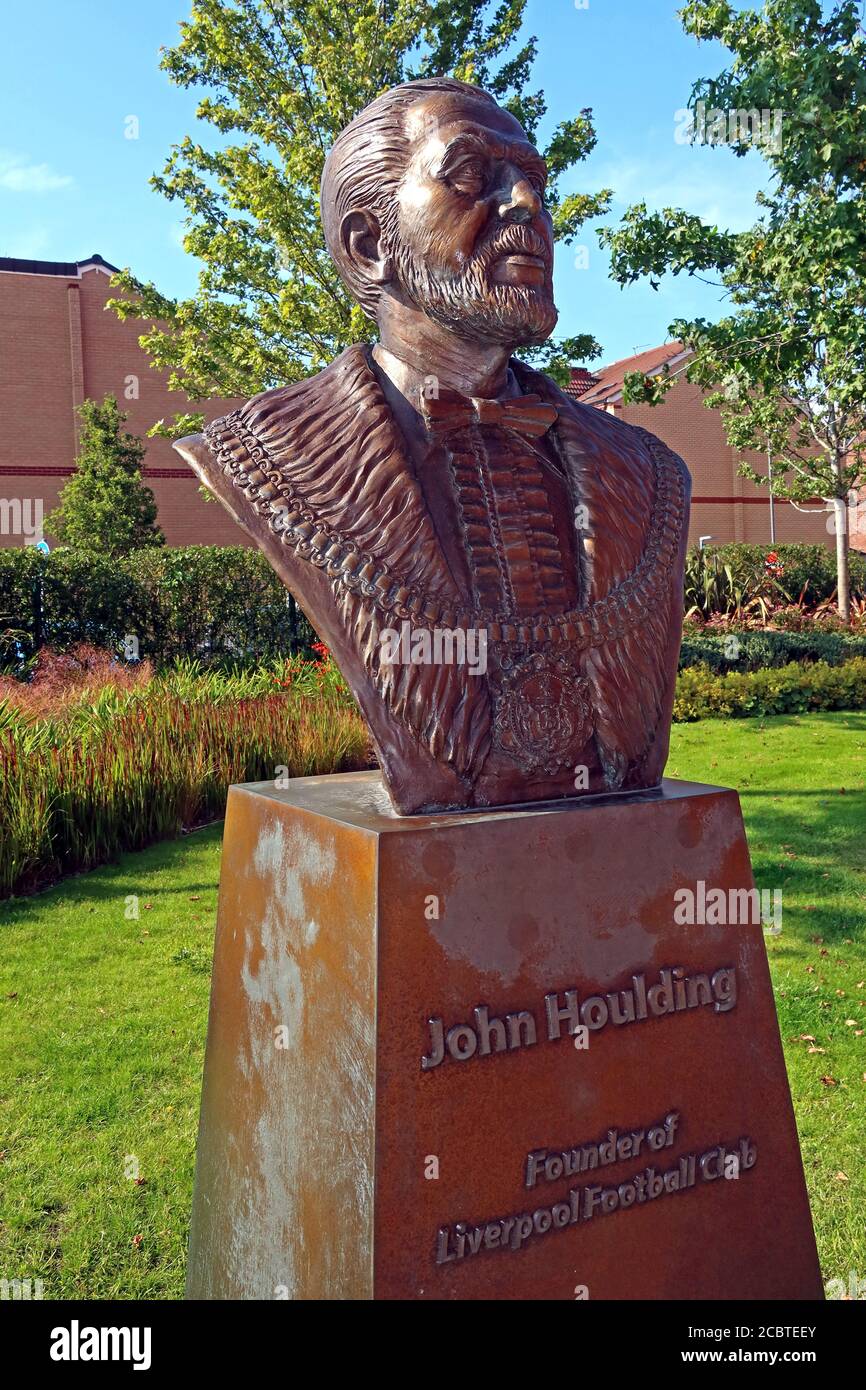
71,183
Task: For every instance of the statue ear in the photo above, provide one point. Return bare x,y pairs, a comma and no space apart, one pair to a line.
361,240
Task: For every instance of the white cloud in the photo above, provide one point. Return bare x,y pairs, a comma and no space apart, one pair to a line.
695,181
18,175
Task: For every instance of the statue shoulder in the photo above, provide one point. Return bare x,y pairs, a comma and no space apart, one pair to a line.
622,437
321,453
608,436
282,423
193,449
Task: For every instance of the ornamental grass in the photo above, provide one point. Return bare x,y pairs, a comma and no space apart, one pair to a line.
95,759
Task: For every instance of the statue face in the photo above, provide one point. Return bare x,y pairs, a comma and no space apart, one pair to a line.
473,242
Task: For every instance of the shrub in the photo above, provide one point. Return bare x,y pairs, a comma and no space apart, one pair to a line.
217,604
221,605
791,689
738,650
20,602
798,567
106,507
91,599
755,584
713,586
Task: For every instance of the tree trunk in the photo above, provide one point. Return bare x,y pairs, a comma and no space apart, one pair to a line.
843,583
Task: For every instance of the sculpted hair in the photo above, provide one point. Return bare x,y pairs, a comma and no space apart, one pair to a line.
364,167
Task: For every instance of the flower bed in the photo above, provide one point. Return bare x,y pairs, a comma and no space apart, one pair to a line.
95,758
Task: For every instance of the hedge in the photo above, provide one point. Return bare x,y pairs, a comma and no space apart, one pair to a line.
213,603
792,689
224,603
752,651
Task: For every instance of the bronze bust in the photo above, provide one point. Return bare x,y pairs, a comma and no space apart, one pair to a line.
496,568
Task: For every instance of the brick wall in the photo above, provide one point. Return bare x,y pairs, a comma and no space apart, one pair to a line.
724,505
59,345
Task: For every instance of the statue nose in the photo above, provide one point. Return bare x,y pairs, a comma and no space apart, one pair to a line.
520,202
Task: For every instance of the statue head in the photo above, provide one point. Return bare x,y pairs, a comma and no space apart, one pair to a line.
433,197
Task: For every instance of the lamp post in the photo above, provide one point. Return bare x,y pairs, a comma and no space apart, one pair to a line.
772,500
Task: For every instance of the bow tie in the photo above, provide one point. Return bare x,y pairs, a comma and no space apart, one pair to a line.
445,410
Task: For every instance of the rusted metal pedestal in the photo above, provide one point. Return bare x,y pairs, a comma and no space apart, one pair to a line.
514,1054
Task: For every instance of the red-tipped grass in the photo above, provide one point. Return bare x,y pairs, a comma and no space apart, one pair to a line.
119,767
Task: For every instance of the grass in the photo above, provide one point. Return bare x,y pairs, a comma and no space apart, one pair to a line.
102,1019
802,781
102,1028
96,759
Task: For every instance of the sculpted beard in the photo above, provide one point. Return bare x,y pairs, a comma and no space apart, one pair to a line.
472,303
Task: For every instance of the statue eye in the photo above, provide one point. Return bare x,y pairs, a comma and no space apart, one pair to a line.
470,177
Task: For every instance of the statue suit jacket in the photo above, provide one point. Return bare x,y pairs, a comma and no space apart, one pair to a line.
320,476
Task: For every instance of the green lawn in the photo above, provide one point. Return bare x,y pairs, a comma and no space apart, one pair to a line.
102,1019
802,781
102,1027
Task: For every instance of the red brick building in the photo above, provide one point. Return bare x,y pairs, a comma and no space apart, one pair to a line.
724,505
59,346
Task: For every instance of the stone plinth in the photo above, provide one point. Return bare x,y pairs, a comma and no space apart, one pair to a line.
397,1104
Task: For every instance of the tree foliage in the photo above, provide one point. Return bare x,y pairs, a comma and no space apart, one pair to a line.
105,507
280,79
786,366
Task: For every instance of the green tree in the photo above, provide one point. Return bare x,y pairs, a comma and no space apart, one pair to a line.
281,78
105,506
787,366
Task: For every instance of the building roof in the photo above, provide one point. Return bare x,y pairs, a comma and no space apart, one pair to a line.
607,383
581,381
66,268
